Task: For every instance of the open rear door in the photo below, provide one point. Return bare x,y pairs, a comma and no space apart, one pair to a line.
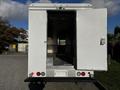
92,39
37,41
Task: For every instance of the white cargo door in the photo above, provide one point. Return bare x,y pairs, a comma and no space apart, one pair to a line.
37,41
92,39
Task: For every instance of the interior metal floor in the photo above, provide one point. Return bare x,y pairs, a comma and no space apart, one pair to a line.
57,63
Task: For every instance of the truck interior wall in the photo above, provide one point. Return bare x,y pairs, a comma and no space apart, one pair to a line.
61,33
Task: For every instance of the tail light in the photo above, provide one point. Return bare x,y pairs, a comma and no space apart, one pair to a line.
82,73
78,73
38,73
43,73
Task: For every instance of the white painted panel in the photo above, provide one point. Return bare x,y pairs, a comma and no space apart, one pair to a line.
37,39
91,27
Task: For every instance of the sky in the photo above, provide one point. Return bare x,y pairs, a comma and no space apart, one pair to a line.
16,11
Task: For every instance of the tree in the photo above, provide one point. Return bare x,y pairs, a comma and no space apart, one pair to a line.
114,44
116,30
4,26
110,37
9,34
14,33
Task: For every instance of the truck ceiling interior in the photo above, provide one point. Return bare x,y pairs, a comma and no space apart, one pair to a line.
61,37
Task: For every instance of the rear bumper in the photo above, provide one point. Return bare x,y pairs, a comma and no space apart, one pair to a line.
64,79
58,79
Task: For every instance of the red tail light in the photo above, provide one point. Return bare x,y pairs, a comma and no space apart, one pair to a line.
82,73
32,73
38,73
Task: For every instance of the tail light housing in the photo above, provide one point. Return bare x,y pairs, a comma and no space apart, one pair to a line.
38,73
82,73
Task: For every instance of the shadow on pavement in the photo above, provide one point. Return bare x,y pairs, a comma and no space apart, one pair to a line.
36,86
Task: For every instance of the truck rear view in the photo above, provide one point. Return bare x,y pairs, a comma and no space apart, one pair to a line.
66,40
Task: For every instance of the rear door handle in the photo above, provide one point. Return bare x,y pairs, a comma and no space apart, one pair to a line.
45,41
102,41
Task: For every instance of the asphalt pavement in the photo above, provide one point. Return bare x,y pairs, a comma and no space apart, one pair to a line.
13,71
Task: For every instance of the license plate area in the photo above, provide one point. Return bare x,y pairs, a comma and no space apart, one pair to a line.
60,73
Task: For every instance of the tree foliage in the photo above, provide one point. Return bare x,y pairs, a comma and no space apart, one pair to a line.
114,44
117,30
9,34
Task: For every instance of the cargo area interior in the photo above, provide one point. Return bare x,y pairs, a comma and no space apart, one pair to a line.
61,38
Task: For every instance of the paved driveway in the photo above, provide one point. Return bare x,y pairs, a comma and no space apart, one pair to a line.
13,71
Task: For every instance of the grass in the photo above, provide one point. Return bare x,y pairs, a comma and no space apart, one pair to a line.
111,78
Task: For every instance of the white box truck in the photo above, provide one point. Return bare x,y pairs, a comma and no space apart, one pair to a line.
66,40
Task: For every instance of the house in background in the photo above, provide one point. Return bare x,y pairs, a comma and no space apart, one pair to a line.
21,45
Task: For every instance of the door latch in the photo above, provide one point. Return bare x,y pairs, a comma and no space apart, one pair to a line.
45,41
102,41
